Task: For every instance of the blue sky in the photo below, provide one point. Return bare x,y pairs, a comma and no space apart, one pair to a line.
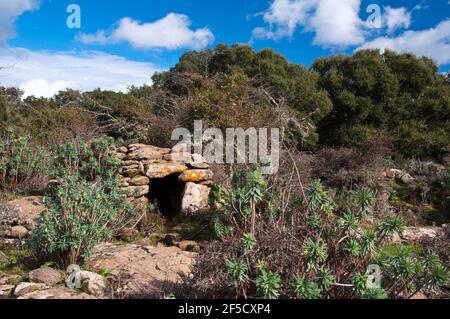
123,42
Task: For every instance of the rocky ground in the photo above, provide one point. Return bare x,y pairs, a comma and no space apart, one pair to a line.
135,267
141,269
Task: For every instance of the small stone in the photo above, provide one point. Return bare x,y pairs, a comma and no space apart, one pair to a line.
6,291
129,234
8,279
189,245
28,287
171,239
139,181
48,276
122,149
198,162
196,175
140,202
18,232
130,163
125,181
147,153
133,172
121,156
178,157
137,191
141,168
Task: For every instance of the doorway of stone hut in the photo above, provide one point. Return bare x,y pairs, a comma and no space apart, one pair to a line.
167,193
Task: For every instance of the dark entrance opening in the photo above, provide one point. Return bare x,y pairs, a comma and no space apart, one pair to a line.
167,193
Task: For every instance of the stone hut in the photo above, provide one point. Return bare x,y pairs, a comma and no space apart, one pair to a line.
176,179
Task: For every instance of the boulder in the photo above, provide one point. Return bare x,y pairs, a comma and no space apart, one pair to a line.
93,284
418,234
161,170
48,276
196,175
195,198
122,149
27,212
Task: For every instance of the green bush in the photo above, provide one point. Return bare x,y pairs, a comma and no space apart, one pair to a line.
87,206
22,165
321,246
81,214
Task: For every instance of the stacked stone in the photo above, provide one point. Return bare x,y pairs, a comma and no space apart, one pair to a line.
143,163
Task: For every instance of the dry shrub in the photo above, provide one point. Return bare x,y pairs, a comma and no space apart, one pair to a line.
351,167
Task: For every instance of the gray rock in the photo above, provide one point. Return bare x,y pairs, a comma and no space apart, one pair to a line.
48,276
28,287
93,284
6,291
18,232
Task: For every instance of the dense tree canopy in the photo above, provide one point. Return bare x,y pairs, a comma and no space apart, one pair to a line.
340,100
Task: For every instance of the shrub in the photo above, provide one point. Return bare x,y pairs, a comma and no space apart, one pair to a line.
319,246
87,206
79,215
22,166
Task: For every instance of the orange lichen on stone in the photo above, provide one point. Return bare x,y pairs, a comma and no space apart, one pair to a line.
196,175
161,170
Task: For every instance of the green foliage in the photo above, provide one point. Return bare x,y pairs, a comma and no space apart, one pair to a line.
248,241
398,96
237,269
87,206
306,288
329,242
87,161
80,215
315,252
21,163
268,284
375,293
359,282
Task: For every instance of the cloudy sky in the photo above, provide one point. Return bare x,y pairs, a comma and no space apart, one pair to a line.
122,43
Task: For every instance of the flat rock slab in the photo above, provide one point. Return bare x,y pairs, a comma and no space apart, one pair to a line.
143,271
56,293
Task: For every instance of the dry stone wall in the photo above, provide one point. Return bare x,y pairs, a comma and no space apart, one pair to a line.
144,165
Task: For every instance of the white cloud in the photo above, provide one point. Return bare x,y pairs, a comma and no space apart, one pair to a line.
434,42
9,11
396,18
334,22
337,23
43,73
171,32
